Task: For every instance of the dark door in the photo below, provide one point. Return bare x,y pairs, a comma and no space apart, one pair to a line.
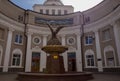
35,66
72,62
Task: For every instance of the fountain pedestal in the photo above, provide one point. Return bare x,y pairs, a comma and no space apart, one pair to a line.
55,60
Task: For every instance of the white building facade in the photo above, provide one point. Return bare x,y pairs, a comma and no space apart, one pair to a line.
93,39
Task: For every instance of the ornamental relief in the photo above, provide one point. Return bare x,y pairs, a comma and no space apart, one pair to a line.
36,41
71,41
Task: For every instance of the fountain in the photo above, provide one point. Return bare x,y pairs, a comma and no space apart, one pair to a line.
55,67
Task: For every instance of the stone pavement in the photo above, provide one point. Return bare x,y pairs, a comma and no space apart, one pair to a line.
97,77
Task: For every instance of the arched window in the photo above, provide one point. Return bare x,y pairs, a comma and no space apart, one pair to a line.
89,58
109,56
1,51
16,57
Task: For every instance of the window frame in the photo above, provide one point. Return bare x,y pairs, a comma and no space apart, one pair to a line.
19,39
1,53
17,52
2,36
65,12
53,11
59,12
104,38
90,60
87,41
41,11
47,11
89,52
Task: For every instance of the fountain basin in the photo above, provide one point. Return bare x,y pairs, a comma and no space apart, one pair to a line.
54,48
82,76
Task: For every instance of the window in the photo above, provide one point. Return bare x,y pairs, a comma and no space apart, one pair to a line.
41,11
88,40
53,12
18,39
16,60
65,12
110,58
20,18
1,49
47,12
59,12
90,60
106,34
1,33
87,19
0,56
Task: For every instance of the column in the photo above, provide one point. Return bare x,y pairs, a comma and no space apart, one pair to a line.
98,51
7,52
28,53
63,40
43,54
116,28
45,40
64,54
79,54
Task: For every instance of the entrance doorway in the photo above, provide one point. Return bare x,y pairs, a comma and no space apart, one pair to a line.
35,66
72,62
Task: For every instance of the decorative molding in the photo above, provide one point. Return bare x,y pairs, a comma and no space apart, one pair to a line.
36,40
11,23
112,17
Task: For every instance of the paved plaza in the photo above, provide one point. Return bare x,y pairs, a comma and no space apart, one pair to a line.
97,77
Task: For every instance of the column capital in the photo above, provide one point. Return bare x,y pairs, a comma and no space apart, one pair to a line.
78,34
29,33
11,29
96,30
115,24
45,35
62,35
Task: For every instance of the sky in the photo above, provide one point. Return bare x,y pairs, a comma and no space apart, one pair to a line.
79,5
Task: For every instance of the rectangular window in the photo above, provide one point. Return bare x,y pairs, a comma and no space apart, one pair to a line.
59,12
2,33
88,40
0,55
18,39
20,18
53,12
110,58
41,11
16,60
47,12
65,12
106,35
90,60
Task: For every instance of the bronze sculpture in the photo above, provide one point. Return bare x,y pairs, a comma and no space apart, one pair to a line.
54,40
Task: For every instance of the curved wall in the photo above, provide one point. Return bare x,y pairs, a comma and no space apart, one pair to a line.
79,25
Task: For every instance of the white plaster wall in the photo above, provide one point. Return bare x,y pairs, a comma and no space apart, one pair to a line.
50,8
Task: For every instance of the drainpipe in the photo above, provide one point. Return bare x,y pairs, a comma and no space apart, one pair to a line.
82,43
26,17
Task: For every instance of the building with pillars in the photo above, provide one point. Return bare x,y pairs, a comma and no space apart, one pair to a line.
92,36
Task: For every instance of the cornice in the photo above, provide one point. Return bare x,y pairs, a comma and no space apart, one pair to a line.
45,30
112,17
11,23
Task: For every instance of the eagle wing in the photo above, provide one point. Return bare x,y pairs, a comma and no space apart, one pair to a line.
58,29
